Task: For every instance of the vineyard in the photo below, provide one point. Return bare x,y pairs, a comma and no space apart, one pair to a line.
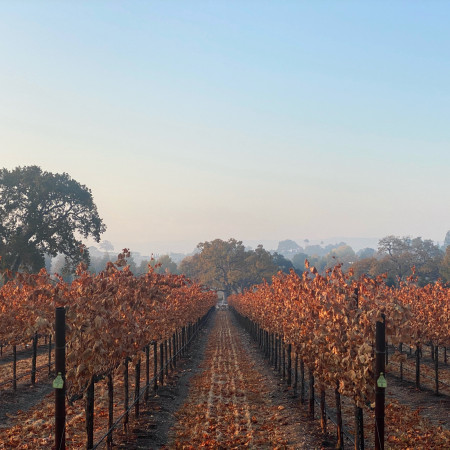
126,337
114,320
326,324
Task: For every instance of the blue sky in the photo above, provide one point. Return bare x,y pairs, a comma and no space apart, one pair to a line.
249,119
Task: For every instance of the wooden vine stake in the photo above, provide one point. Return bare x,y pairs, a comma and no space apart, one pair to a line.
126,394
380,382
295,374
49,355
14,380
147,371
109,439
155,366
323,415
60,368
436,370
339,428
161,363
359,417
418,366
90,415
302,381
137,385
33,359
311,394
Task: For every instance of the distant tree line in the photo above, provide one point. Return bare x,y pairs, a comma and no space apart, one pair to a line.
44,215
231,267
394,256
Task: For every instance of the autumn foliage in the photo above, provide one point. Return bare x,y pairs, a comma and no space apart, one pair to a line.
330,321
110,316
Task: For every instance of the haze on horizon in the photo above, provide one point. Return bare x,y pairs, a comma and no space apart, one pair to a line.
262,121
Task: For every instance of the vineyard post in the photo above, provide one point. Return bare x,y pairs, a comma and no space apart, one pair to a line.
33,359
90,414
279,354
283,345
147,371
302,381
166,359
109,439
169,343
339,429
289,366
380,389
276,352
323,415
265,349
359,431
401,361
311,394
436,369
263,335
49,354
265,343
417,366
161,364
14,367
174,351
125,382
295,374
272,348
155,366
445,355
387,352
359,417
137,386
60,368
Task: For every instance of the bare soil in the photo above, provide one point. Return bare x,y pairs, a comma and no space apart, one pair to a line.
226,397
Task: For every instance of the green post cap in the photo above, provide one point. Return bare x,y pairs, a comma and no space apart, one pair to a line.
58,382
381,382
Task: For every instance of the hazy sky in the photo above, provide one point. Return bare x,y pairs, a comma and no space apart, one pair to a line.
259,120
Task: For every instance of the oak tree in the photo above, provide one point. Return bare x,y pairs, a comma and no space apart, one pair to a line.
228,266
42,213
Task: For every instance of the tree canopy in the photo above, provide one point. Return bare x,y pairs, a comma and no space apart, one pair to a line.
399,255
42,213
228,266
447,240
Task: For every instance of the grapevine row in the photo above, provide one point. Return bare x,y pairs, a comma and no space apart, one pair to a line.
111,316
330,322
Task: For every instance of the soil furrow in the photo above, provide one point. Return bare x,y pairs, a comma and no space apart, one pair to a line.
234,401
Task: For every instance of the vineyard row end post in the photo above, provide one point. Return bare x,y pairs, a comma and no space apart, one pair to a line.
60,368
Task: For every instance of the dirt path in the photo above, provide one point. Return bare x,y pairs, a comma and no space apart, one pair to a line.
234,401
434,408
